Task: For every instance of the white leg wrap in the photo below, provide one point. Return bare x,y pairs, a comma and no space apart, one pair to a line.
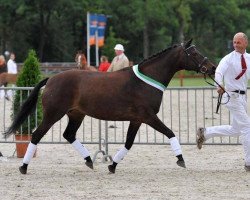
175,146
81,149
29,153
120,155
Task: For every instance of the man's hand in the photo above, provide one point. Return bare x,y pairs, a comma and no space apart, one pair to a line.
220,90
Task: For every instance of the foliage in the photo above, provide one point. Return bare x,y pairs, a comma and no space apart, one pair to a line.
57,29
111,41
29,76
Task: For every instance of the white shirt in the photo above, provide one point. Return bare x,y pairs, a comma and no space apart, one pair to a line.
229,68
12,67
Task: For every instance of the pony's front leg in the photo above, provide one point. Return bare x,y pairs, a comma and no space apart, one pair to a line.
176,148
158,125
132,130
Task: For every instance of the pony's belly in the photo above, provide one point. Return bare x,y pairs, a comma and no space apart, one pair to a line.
113,115
107,117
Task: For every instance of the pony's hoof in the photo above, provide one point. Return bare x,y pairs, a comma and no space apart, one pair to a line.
181,163
247,168
89,164
111,169
23,170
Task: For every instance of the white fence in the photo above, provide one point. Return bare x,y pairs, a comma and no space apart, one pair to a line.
183,110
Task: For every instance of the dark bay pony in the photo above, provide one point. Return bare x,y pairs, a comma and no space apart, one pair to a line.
132,94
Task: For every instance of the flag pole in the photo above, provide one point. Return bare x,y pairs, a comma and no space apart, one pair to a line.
96,49
88,45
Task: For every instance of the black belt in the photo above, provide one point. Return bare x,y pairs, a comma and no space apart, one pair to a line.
239,91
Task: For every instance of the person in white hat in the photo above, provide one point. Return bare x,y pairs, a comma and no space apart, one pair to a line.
120,61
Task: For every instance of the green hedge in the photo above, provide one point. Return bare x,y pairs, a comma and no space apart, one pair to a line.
29,76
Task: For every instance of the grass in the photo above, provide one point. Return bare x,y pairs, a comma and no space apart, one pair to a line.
193,82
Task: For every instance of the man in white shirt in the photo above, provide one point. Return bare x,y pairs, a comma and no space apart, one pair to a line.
234,69
12,69
120,61
11,65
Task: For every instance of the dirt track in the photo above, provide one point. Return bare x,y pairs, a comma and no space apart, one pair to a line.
147,172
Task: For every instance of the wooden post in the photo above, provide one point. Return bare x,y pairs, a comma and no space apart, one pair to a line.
181,76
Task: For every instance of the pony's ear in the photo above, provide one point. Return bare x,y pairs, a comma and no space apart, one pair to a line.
188,43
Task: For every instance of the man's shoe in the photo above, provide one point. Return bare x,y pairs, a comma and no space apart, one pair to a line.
247,168
200,138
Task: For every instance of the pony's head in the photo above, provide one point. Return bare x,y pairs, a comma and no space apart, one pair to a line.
195,61
81,61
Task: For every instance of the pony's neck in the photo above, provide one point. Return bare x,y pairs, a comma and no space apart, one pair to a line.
163,68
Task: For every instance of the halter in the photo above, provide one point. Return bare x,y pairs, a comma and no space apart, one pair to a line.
203,69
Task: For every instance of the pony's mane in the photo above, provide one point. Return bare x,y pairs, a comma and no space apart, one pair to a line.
158,54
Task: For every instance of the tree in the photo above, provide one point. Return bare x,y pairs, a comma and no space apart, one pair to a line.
111,41
29,76
213,25
57,29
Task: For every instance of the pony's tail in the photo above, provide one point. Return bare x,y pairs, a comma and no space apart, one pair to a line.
28,106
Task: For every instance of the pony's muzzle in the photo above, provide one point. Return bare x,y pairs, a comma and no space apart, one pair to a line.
213,69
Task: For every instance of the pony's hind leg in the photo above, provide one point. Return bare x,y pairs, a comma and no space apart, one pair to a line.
50,117
75,120
36,137
132,130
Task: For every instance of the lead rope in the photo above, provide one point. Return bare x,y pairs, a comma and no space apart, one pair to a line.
220,95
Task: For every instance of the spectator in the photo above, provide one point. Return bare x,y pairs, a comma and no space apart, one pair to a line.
3,68
120,61
104,64
12,69
11,64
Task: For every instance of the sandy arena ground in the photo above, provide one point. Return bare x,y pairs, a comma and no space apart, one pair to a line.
147,172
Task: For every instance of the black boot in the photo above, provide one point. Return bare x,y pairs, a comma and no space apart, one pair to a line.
89,162
112,167
180,162
23,169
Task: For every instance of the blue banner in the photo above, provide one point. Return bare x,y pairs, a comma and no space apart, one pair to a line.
97,22
102,19
92,28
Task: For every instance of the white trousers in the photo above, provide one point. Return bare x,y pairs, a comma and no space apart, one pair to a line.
240,123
